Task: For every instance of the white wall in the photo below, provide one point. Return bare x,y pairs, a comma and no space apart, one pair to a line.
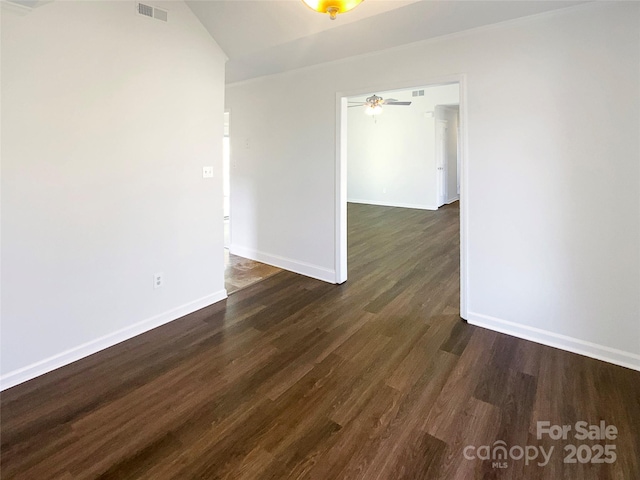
553,186
391,158
108,119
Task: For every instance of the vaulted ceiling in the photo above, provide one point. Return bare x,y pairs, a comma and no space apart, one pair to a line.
263,37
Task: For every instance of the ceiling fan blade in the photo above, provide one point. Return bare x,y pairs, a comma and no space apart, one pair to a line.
351,106
389,100
397,103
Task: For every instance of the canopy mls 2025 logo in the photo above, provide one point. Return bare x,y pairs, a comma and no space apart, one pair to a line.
500,453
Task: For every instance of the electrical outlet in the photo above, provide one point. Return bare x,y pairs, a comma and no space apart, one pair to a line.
158,280
207,172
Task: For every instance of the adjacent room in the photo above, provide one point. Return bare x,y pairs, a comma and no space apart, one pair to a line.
443,198
402,168
402,152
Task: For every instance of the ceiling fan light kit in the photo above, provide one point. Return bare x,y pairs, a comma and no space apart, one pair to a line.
373,110
332,7
373,104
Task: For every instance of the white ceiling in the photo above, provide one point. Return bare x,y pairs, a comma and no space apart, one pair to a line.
263,37
30,3
402,94
242,27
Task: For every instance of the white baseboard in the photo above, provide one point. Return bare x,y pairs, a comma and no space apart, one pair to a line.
89,348
563,342
307,269
392,204
454,199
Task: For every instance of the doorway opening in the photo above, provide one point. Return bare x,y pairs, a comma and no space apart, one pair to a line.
423,172
226,183
239,272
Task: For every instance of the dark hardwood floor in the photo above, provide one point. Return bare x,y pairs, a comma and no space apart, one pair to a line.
295,378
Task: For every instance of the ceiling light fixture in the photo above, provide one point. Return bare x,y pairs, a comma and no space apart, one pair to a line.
332,7
373,104
373,110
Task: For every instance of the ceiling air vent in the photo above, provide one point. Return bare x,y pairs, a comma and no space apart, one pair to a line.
151,12
160,14
417,93
145,10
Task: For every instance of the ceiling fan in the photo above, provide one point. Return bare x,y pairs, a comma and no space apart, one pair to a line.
373,104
